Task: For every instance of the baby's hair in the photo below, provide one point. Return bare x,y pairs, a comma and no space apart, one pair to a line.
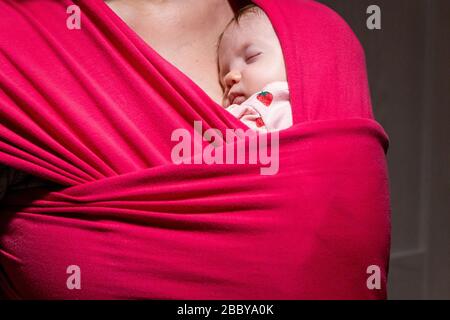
250,8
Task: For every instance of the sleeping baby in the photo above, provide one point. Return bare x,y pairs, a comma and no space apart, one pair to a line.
252,72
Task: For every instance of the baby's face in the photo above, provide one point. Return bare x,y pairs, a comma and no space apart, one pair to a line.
249,57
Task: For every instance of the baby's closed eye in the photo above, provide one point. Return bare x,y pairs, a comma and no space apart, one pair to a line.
252,57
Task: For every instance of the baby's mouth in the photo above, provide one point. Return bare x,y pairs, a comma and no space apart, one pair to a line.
236,98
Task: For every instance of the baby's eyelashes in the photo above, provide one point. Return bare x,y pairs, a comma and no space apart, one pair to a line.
253,57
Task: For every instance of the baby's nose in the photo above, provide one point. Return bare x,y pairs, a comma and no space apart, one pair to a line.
232,78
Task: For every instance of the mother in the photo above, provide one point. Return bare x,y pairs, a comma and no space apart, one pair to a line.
193,50
94,112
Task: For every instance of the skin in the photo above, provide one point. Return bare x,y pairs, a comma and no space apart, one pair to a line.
249,58
184,32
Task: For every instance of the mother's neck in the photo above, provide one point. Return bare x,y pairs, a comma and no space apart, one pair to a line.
184,32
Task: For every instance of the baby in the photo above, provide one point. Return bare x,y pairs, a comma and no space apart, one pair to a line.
252,72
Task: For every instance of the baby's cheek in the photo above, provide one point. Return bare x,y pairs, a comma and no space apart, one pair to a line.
273,71
255,79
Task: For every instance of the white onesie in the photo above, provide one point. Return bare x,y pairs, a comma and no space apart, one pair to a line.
266,110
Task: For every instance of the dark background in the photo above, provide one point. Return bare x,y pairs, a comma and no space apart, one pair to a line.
408,63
